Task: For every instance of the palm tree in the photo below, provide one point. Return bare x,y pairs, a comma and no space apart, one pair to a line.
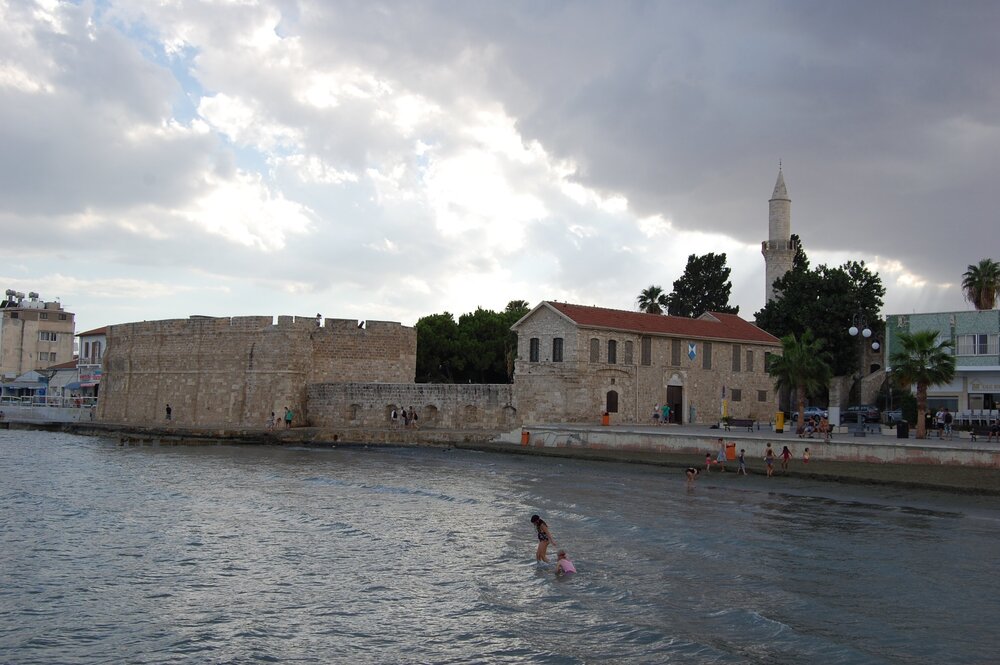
922,361
981,284
804,365
652,300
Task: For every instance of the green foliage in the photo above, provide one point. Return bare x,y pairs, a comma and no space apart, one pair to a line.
652,300
922,361
704,287
803,366
826,301
981,284
479,348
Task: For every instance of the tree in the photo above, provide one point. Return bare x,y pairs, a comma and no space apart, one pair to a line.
981,284
652,300
922,361
802,365
437,345
704,287
479,348
826,300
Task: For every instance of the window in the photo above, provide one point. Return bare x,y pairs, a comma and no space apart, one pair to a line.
62,317
97,351
47,336
595,349
749,363
13,315
737,357
557,349
706,355
976,345
86,349
647,351
612,352
737,394
628,353
767,361
52,356
43,315
533,350
761,395
675,352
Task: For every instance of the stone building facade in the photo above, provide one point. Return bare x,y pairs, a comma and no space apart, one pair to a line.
574,363
236,371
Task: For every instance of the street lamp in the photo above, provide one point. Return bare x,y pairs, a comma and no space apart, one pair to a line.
859,328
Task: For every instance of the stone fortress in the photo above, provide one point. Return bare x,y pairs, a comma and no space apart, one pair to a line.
573,364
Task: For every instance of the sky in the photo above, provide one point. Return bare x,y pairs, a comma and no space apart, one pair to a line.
391,160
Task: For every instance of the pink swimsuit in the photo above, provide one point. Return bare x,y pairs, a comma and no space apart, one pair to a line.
567,566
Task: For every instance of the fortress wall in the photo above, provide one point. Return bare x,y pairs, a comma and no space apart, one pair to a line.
222,371
440,405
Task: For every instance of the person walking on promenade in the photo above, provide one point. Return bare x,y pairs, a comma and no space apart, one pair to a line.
656,414
769,460
947,422
169,412
786,455
289,415
666,414
939,421
994,430
544,538
743,463
270,422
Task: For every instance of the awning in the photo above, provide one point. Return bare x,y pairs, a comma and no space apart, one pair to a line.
89,385
75,385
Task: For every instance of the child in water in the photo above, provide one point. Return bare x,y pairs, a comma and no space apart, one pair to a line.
544,538
564,566
805,456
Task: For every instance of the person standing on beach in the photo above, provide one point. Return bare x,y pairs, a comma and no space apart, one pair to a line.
769,460
289,415
544,538
169,412
666,414
786,455
656,414
743,463
720,459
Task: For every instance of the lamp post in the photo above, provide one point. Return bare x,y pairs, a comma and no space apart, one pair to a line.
859,328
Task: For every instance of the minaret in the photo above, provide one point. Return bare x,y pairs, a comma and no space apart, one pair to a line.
778,249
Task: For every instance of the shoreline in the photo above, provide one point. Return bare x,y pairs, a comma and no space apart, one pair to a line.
957,479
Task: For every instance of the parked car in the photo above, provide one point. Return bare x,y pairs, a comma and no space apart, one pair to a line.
870,412
893,417
811,412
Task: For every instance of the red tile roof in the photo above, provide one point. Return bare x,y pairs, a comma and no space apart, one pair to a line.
96,331
725,326
69,364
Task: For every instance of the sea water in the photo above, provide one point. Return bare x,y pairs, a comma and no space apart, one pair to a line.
222,554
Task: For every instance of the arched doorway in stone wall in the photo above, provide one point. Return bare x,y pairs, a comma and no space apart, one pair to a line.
675,399
470,416
429,416
611,401
354,413
508,415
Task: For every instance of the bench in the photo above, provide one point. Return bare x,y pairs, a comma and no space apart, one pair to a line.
862,429
740,422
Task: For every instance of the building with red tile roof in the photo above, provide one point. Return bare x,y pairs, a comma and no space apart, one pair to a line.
575,363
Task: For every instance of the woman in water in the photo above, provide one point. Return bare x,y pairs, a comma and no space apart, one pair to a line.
544,538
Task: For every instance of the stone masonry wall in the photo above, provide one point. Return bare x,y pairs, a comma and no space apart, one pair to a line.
236,371
439,405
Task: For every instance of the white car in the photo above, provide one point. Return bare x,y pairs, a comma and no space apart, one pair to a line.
811,412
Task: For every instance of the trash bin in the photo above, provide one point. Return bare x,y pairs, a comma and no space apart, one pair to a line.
779,422
731,452
525,437
605,419
902,430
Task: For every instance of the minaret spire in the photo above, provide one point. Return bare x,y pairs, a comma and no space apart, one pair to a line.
778,249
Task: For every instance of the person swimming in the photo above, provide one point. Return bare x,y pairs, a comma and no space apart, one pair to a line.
564,566
544,538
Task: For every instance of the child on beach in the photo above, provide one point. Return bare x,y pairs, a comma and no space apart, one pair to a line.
805,456
743,463
720,459
769,460
544,538
564,566
691,474
708,461
786,455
